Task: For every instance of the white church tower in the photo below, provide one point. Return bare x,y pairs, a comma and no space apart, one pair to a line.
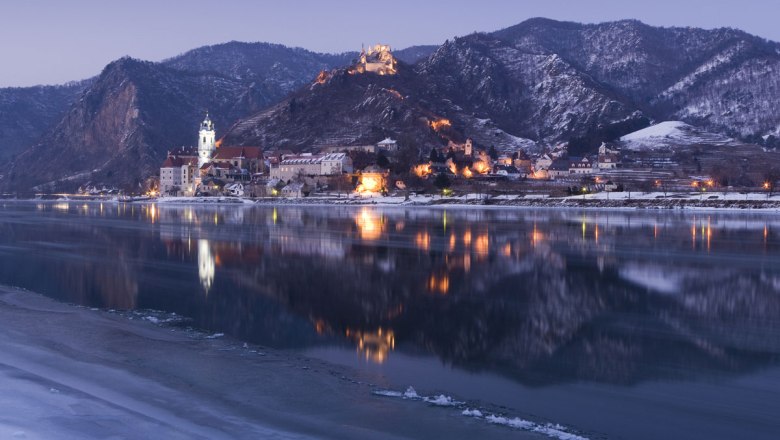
206,141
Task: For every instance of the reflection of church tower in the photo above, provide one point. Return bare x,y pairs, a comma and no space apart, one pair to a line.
206,141
206,265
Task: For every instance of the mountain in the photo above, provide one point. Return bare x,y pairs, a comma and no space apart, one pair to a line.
723,79
120,127
544,81
531,85
27,112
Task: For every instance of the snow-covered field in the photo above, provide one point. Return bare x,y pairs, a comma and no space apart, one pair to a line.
671,133
74,373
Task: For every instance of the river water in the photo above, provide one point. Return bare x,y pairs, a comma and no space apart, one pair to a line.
620,324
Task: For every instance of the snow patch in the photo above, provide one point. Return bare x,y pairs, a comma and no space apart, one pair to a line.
442,400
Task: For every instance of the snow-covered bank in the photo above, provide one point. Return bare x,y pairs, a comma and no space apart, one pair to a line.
622,200
76,373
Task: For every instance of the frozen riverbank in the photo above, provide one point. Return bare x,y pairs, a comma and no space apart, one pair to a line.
635,200
68,372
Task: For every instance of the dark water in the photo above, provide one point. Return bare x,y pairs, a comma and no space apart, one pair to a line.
619,324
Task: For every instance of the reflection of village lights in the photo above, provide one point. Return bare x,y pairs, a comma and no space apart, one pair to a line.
152,212
452,242
440,124
467,238
206,265
444,221
422,240
507,250
439,285
375,346
275,215
482,244
369,224
61,206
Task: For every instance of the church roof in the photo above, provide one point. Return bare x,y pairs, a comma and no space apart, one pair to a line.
177,162
233,152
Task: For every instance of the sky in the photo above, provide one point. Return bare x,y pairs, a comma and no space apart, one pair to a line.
55,41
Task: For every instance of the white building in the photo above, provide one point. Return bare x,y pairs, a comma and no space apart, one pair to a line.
608,158
207,142
177,176
388,145
308,165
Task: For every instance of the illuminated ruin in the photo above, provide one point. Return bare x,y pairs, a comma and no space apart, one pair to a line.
378,59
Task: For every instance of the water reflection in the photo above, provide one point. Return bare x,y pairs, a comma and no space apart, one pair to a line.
206,265
541,296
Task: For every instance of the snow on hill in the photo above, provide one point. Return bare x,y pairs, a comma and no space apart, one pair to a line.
671,133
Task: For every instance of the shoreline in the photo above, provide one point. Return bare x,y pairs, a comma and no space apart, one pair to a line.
675,202
73,372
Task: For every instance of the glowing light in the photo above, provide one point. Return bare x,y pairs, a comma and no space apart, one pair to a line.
482,244
371,183
440,285
452,242
322,77
766,185
440,124
375,346
507,250
467,173
481,167
422,240
422,170
467,238
275,216
369,224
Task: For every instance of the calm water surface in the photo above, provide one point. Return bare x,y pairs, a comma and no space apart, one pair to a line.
619,324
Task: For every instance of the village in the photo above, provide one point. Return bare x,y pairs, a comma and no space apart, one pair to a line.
389,168
384,170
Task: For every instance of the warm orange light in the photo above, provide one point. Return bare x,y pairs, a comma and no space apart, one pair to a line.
322,77
369,224
371,183
766,185
422,170
440,124
481,167
467,238
439,285
482,244
375,346
695,184
422,240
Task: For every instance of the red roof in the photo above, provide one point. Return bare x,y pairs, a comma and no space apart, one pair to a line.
177,162
233,152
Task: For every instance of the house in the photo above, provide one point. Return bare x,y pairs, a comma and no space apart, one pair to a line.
295,190
543,163
177,176
388,145
581,166
235,189
508,171
558,168
243,158
211,186
608,158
